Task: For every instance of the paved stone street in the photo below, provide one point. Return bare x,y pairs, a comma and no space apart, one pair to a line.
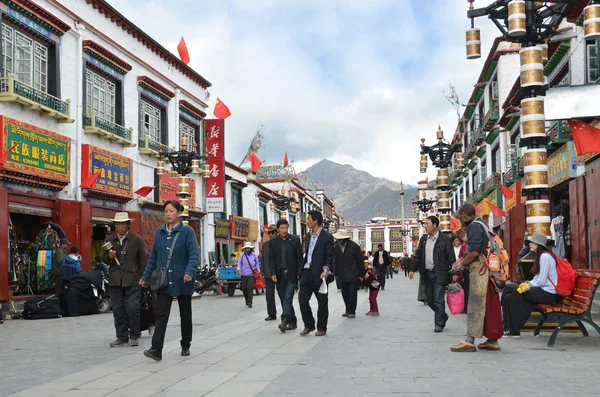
236,353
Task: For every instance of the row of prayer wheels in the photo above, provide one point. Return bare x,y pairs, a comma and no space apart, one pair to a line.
160,169
423,164
591,22
538,217
532,65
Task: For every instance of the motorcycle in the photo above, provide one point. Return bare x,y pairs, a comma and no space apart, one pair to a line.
104,302
207,280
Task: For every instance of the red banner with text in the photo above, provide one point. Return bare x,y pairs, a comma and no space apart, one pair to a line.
215,150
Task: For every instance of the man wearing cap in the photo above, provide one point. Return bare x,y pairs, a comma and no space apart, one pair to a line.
285,261
126,256
59,256
266,270
348,269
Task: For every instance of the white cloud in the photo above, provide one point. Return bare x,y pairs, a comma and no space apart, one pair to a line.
328,78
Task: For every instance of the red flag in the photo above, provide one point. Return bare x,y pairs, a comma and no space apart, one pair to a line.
585,137
454,223
427,180
183,51
497,211
506,192
285,160
91,181
144,191
221,111
256,163
4,156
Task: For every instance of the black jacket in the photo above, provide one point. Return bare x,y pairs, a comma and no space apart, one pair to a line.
443,258
349,265
322,255
293,257
132,258
386,259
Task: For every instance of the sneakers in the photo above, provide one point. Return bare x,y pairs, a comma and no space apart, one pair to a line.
119,343
154,354
134,341
509,335
464,346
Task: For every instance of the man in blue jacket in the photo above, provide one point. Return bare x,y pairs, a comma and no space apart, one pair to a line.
70,266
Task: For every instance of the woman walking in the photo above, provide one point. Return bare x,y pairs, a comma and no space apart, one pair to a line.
518,300
372,283
176,244
247,263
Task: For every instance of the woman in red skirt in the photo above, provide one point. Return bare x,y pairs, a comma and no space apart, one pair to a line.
371,282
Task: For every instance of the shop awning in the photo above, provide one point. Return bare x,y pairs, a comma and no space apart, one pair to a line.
19,208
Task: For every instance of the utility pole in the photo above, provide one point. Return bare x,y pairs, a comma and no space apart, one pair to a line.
403,224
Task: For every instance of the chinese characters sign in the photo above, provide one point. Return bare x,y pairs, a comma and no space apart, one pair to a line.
243,228
169,186
215,183
222,228
39,152
115,178
562,164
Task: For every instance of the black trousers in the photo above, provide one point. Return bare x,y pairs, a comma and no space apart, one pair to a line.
307,289
126,311
350,295
248,288
516,308
380,272
435,298
270,287
163,311
465,286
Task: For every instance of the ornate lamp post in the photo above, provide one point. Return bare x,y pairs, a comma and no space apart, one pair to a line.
530,23
183,163
441,157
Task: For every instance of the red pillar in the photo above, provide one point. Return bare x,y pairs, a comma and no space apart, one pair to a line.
4,241
84,237
136,225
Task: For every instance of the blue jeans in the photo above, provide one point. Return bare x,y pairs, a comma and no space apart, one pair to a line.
285,289
435,298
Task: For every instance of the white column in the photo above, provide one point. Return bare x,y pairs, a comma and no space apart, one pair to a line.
503,159
490,159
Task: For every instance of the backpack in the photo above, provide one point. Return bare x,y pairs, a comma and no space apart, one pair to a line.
566,276
497,255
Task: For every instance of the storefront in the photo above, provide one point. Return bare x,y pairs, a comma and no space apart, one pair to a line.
513,229
242,230
111,191
37,168
223,249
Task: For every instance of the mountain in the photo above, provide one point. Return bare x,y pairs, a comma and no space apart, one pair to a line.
358,195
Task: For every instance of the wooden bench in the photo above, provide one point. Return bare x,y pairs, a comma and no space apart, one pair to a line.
575,308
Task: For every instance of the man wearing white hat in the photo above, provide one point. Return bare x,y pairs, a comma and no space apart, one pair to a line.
348,268
125,253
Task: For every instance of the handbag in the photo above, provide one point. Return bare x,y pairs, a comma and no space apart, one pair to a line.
160,276
258,281
456,298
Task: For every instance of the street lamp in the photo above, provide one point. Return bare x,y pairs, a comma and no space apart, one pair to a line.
424,205
183,163
531,23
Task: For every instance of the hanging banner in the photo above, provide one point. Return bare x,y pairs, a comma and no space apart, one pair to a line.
38,152
168,187
562,164
117,176
215,150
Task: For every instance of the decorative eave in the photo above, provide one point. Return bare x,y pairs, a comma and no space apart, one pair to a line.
154,86
106,56
27,6
264,196
192,109
117,18
32,180
105,196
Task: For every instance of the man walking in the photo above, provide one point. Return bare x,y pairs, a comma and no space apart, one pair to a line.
349,269
381,261
477,244
124,252
317,265
265,267
405,264
286,262
434,259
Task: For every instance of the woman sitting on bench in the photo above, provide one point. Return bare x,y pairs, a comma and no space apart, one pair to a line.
518,300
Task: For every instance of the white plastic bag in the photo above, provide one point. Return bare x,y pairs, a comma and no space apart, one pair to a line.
323,288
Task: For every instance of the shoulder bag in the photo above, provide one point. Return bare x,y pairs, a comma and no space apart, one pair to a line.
160,276
258,282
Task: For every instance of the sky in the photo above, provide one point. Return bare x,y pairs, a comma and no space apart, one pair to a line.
357,82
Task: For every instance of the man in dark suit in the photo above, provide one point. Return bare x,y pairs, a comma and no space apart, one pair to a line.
285,252
381,261
349,268
317,265
265,268
434,259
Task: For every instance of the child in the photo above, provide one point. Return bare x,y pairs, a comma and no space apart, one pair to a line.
70,266
371,282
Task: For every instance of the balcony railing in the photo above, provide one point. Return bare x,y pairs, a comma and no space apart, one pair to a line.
28,97
491,117
148,145
93,124
490,183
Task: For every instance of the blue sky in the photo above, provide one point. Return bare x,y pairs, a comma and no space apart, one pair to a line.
358,82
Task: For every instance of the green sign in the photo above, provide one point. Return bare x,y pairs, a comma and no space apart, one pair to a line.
36,151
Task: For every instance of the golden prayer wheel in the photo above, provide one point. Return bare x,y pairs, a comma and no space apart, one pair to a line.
206,171
531,106
184,185
445,222
195,166
534,157
184,142
160,167
459,162
531,55
533,225
444,200
531,75
173,173
591,21
423,170
538,208
442,177
533,128
516,7
536,177
517,20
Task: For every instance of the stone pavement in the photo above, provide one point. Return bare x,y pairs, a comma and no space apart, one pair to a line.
397,354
